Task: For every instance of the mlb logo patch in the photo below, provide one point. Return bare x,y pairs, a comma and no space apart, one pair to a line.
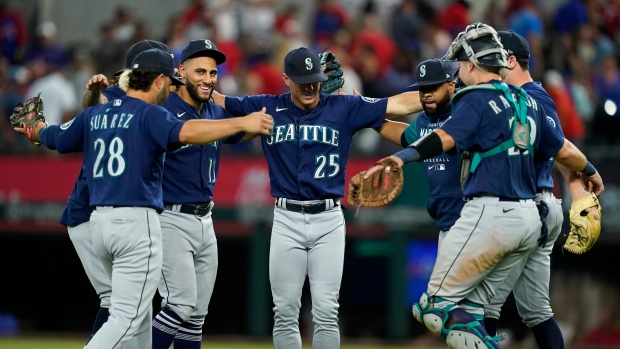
117,102
441,167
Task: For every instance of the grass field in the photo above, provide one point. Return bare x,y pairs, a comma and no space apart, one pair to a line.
64,343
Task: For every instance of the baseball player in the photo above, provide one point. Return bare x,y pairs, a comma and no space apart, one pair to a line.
436,87
307,153
77,213
501,128
75,217
529,279
190,257
124,142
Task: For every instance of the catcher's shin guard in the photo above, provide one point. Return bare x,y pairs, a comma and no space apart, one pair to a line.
458,328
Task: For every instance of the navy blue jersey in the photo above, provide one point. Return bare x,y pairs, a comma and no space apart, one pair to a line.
191,171
307,151
442,173
543,168
480,121
78,209
124,142
113,92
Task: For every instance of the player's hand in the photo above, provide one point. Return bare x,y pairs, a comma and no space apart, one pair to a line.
576,195
377,167
593,184
258,122
355,92
97,83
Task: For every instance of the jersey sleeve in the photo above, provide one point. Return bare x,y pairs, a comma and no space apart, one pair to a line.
464,125
238,106
113,92
159,123
551,112
551,141
365,112
65,138
410,134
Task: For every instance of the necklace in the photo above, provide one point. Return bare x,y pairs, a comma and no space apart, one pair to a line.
303,120
297,125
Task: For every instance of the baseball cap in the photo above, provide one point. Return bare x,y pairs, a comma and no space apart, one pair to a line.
515,44
433,71
137,48
156,61
303,66
202,48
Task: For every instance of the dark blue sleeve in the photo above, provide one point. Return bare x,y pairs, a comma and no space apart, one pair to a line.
113,92
160,123
173,137
464,125
365,112
551,141
65,138
238,106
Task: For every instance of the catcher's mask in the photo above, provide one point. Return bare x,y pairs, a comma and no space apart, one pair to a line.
481,45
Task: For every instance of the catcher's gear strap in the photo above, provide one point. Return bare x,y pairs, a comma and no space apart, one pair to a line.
428,146
520,126
458,328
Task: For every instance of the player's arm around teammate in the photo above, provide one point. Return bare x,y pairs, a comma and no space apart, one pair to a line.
190,259
149,83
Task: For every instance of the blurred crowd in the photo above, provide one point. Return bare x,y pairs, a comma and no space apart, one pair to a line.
378,42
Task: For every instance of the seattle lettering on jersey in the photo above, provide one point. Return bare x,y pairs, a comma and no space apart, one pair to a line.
307,133
530,103
100,121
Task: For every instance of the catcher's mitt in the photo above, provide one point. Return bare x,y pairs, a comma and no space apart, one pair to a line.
331,67
380,189
584,228
26,115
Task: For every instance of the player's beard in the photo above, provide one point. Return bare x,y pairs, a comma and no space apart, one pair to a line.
192,90
439,107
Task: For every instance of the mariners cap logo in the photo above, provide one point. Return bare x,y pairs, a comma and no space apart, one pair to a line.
208,44
309,64
423,70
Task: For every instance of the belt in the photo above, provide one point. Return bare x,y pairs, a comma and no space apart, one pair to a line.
543,191
310,207
501,198
198,210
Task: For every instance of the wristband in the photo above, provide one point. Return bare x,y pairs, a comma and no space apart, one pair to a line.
589,170
408,155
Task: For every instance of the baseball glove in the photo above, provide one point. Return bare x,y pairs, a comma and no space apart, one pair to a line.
331,67
26,115
584,228
378,190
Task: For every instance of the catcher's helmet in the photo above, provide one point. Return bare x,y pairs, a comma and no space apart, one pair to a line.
481,45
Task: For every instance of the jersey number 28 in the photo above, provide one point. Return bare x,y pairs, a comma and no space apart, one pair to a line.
116,163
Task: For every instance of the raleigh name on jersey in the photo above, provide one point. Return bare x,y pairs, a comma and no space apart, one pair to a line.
308,150
480,121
